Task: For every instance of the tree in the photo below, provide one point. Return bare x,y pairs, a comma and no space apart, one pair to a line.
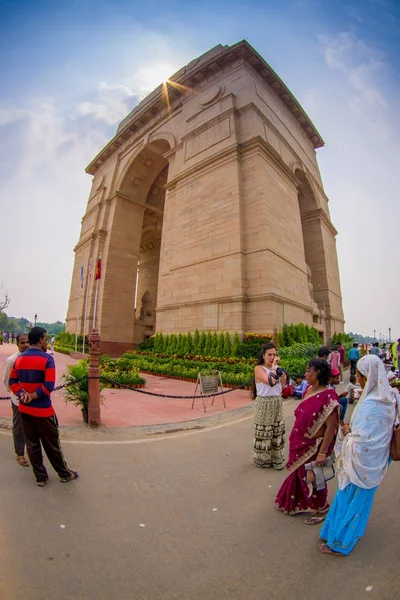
172,343
184,344
4,299
220,345
179,344
214,344
236,344
227,345
208,348
189,346
3,321
196,342
202,343
161,344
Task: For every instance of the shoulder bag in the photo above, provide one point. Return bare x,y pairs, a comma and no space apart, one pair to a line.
395,443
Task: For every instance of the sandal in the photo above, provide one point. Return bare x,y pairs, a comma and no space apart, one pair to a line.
21,460
314,520
324,549
41,483
73,475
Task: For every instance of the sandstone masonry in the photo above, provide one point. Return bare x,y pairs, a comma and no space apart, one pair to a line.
208,211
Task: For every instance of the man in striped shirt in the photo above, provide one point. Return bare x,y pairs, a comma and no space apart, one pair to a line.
32,380
18,432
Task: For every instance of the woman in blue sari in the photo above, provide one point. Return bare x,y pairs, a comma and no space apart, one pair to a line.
363,459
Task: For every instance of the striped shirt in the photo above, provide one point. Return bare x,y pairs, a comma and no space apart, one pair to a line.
34,371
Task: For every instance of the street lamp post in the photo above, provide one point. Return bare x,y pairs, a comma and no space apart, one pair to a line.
35,318
390,334
374,335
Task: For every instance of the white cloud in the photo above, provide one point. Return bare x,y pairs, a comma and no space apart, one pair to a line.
362,64
10,115
358,120
111,104
43,154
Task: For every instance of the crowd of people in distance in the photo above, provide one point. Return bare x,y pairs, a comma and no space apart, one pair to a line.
320,435
7,337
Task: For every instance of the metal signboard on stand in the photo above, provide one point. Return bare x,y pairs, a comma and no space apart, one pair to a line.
208,382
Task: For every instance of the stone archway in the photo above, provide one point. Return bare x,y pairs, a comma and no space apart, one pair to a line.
315,245
132,242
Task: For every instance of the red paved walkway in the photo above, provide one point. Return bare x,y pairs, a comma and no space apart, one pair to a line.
124,408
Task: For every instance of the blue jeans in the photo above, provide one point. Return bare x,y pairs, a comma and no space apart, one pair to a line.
344,402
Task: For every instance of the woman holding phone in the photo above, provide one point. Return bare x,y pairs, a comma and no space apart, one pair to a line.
269,426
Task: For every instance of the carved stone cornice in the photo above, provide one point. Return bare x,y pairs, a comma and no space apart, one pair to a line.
88,239
193,75
208,164
319,215
238,298
258,144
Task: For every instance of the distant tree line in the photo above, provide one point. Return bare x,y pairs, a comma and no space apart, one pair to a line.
363,339
22,325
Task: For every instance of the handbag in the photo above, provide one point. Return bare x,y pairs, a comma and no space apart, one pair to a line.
322,473
395,443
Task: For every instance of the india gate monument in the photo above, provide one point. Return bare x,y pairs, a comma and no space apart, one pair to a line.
208,211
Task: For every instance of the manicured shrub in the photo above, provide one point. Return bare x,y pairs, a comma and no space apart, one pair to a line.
214,343
189,345
227,345
179,344
220,345
208,347
196,342
202,343
236,344
184,344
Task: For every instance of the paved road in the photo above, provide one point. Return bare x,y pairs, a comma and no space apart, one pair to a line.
244,550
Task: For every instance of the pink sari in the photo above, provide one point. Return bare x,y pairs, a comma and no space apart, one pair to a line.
310,416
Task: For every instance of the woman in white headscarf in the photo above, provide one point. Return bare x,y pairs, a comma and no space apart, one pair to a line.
364,459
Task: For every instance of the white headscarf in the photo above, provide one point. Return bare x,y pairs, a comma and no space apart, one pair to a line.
365,451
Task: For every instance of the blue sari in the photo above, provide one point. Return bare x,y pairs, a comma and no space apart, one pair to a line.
347,518
363,459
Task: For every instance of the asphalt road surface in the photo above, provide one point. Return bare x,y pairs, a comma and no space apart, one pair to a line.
187,517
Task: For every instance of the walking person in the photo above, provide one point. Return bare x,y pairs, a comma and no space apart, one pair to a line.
269,425
52,345
18,433
354,357
334,359
342,353
312,439
375,349
32,380
323,353
363,459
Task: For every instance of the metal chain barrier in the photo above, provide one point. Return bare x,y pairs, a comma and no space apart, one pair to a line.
56,389
141,390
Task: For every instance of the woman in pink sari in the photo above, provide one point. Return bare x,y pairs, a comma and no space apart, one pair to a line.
311,440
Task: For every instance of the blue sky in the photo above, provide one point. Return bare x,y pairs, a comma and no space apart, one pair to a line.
69,71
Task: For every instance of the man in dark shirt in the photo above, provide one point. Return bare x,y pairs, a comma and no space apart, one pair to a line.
354,356
32,380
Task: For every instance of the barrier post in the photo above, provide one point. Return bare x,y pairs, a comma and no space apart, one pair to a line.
94,384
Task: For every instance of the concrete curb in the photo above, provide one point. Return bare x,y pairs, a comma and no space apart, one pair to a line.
141,431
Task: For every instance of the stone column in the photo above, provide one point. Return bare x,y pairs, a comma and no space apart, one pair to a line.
94,384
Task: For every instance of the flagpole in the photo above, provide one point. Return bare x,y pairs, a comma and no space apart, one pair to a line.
77,320
98,277
86,304
77,310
